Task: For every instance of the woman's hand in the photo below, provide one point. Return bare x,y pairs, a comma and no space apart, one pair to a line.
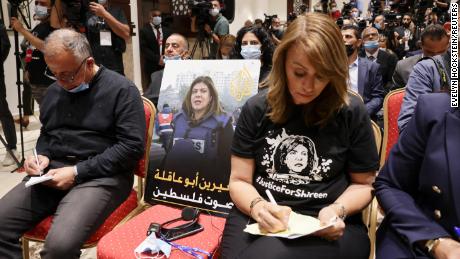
329,215
447,249
271,218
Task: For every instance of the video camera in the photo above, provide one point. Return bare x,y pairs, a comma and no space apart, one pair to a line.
200,9
392,19
267,24
74,11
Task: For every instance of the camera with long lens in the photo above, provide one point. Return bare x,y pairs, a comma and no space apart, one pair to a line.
200,9
267,24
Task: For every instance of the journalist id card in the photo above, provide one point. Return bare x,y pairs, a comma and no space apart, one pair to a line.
106,38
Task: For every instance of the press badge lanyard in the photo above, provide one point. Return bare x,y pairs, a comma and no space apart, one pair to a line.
105,36
189,250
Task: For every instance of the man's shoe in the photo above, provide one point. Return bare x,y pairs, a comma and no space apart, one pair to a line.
25,122
8,159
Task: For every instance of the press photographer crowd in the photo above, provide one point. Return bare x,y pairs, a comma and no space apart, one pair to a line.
324,74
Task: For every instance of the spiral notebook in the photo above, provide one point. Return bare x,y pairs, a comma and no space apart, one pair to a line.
38,179
298,226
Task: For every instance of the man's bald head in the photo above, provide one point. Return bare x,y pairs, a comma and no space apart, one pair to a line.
176,44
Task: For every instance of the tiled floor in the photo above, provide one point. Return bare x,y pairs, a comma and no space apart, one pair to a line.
9,180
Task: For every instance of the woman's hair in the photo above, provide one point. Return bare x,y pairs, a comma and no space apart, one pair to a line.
287,145
267,47
228,39
213,106
321,40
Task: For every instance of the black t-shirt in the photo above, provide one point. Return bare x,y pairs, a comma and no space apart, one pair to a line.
305,167
36,67
109,56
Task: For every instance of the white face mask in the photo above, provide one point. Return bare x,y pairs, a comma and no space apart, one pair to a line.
251,51
214,11
156,20
176,57
41,11
102,2
153,245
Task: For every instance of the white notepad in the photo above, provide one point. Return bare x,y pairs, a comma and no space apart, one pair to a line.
298,226
38,179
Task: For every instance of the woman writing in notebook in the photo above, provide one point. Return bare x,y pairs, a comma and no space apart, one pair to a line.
332,152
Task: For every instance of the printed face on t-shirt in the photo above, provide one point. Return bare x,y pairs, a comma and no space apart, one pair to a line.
296,159
200,97
303,82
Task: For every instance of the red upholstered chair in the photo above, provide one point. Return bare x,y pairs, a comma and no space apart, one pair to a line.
127,209
391,107
121,242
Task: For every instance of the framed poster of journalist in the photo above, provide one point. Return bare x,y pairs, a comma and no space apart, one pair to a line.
199,105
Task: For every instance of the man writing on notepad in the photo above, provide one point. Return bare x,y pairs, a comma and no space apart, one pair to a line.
92,136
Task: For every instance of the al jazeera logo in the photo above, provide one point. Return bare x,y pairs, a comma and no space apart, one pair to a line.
241,84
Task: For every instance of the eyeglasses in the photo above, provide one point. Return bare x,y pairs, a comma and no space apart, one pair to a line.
64,77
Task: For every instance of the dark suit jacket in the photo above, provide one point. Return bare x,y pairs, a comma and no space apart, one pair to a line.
150,49
402,71
418,188
370,85
153,91
387,64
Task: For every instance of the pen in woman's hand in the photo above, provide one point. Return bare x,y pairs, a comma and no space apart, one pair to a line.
270,197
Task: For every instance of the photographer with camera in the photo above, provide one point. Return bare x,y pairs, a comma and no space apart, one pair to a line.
405,35
107,32
276,30
221,26
35,66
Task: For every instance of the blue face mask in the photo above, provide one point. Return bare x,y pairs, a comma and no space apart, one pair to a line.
41,11
251,52
82,87
377,26
371,44
176,57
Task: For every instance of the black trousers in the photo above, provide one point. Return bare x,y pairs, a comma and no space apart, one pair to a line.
5,116
354,244
78,213
27,101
